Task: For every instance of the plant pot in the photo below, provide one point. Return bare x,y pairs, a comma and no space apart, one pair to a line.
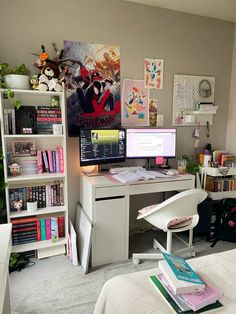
17,81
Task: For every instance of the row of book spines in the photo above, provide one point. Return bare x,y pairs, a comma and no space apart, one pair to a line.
51,160
53,115
32,229
46,196
50,228
9,121
220,185
24,230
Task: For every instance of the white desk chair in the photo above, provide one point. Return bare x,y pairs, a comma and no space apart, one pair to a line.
163,215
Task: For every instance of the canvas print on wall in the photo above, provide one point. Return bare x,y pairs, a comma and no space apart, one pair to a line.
153,73
135,110
93,85
153,112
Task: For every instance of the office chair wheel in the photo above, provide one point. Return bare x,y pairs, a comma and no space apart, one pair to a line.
192,254
155,246
136,261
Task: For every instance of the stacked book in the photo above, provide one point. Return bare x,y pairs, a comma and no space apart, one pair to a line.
49,195
28,164
183,288
50,228
46,117
24,230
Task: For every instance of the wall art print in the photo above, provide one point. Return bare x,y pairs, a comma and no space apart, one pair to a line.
93,85
135,107
153,73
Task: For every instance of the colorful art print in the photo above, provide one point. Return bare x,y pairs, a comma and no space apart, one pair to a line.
153,73
93,83
23,148
135,103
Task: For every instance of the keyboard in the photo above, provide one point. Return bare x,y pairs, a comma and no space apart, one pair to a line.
122,169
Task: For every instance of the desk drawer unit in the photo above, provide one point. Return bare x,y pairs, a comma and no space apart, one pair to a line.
110,192
166,186
110,233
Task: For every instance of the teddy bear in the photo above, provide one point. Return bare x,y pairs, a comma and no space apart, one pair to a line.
49,78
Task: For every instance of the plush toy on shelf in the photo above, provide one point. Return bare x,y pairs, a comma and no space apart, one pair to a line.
49,78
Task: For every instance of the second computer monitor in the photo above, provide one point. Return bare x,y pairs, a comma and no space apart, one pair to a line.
150,142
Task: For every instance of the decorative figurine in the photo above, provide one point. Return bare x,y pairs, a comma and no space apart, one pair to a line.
17,205
14,169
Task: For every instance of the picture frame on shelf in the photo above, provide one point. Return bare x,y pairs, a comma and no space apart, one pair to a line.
23,148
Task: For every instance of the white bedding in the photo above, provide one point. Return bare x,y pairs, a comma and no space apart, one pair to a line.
135,294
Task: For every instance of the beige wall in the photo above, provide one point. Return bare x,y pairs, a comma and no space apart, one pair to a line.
189,44
231,130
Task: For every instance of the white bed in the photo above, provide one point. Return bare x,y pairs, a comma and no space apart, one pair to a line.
135,294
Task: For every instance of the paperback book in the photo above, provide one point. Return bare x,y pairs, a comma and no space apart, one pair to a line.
176,303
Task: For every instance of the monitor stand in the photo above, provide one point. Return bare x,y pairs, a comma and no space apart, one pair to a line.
165,164
96,171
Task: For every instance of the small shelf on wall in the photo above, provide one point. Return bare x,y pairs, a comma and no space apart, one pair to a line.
212,111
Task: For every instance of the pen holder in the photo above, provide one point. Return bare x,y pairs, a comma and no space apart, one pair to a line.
31,206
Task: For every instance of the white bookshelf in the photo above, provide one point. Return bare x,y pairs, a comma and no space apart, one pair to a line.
43,142
218,172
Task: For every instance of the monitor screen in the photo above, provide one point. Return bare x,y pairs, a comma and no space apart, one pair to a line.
150,142
101,146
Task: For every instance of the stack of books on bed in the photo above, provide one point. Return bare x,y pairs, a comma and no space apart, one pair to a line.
183,288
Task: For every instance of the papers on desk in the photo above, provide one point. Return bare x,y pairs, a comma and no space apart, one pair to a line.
130,177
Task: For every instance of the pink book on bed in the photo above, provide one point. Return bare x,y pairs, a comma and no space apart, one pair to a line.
198,300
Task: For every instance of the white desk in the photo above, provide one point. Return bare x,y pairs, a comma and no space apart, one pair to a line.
5,251
106,202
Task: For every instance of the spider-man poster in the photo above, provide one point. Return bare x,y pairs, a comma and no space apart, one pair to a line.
93,85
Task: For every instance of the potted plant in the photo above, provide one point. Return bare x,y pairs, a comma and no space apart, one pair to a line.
14,78
8,80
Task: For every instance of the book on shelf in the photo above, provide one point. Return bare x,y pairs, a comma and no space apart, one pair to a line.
54,228
180,275
25,118
177,302
9,121
43,229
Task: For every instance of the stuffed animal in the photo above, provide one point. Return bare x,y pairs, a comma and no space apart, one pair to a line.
49,78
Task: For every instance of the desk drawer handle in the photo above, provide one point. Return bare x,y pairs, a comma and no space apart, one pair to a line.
109,198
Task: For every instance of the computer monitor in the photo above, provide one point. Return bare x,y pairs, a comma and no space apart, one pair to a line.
102,146
150,142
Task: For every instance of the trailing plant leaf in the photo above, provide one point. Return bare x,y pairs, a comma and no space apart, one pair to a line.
17,104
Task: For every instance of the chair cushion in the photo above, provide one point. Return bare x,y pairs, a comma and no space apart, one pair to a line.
146,209
179,222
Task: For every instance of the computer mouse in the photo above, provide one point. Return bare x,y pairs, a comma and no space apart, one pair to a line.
170,172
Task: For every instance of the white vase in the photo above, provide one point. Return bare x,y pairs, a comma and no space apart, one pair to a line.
17,81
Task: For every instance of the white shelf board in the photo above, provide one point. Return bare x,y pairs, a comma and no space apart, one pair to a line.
41,211
33,92
12,136
35,177
37,245
214,172
220,195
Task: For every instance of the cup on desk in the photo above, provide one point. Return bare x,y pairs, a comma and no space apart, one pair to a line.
181,164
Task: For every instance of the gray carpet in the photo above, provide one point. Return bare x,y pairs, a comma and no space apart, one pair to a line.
53,285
